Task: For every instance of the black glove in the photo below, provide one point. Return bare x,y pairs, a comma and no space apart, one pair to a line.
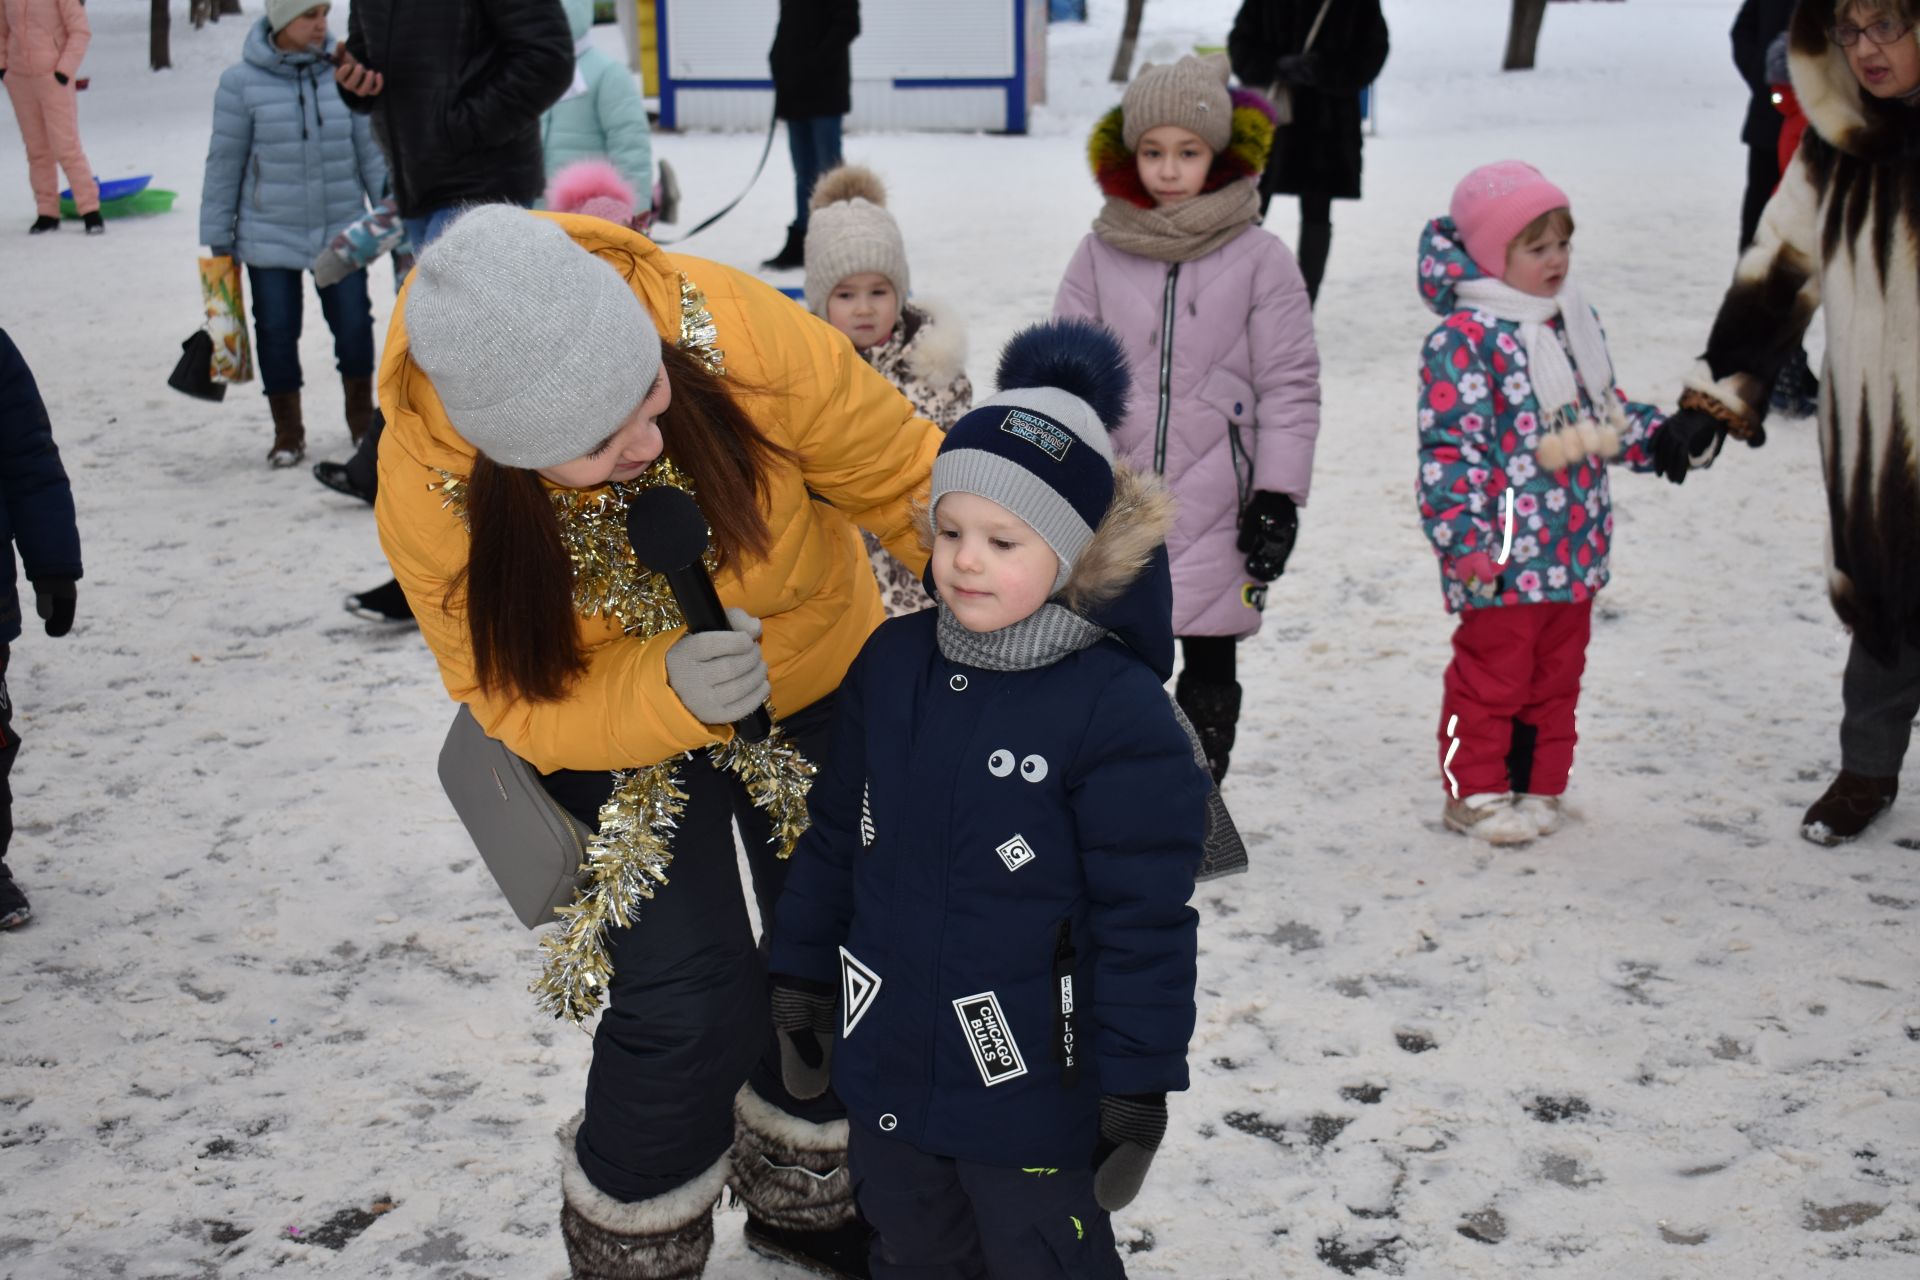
1268,527
1690,438
60,77
53,600
1297,68
803,1014
1131,1126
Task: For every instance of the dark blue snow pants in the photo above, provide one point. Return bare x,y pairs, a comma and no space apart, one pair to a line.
936,1218
687,1022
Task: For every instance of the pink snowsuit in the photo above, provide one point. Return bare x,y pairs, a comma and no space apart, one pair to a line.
1234,406
38,38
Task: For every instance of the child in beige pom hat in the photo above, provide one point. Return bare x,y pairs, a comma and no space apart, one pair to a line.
1216,322
857,282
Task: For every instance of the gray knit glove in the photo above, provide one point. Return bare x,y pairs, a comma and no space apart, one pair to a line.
719,675
1131,1126
803,1014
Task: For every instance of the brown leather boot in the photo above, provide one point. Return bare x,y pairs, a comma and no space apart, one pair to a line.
1848,808
289,433
359,393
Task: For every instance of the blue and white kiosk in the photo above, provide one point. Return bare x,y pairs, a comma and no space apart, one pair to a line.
966,65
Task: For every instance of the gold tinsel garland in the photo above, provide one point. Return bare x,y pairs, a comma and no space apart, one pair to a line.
630,855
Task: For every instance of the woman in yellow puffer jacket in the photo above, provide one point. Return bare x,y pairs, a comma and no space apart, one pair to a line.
541,369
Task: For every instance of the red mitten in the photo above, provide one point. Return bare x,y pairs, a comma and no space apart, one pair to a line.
1478,573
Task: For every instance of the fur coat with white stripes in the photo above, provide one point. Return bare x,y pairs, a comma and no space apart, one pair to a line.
1843,233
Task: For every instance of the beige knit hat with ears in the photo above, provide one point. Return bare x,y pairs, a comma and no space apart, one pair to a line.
850,232
1191,94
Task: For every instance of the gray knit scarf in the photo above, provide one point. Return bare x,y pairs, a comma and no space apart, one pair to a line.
1041,639
1182,232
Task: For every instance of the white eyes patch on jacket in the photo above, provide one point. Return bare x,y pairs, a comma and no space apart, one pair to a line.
1033,768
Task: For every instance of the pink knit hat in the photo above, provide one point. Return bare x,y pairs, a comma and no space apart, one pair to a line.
1493,203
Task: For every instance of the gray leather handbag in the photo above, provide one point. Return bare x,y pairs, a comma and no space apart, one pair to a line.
535,849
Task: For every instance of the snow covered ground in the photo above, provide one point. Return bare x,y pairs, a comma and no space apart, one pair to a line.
273,1014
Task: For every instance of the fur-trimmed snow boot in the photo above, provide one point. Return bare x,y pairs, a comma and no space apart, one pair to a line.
792,1176
1848,808
289,431
1214,710
666,1237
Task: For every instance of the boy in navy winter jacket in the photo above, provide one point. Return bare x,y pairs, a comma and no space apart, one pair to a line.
36,514
996,880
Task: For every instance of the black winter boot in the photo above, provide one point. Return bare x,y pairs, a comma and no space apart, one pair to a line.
667,1237
385,603
14,910
792,1176
792,254
1848,808
42,225
1214,710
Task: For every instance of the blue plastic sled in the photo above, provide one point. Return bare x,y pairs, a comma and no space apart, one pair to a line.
116,188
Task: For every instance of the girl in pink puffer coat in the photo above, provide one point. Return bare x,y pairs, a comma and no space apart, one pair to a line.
41,44
1214,316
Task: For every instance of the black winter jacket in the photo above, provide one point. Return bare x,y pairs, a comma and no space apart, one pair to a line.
466,81
1758,22
1319,152
812,68
36,503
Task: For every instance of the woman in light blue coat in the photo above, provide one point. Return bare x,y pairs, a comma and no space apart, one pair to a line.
287,169
602,114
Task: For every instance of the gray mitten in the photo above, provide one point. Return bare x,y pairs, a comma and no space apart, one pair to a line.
803,1014
719,675
1131,1126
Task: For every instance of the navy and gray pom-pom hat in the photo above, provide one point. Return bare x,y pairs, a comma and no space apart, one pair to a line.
1039,446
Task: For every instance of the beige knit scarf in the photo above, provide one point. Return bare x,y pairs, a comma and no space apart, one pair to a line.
1191,229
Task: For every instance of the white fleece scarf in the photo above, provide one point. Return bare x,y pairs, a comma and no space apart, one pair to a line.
1567,434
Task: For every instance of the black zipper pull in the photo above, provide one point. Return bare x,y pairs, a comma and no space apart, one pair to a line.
1066,1047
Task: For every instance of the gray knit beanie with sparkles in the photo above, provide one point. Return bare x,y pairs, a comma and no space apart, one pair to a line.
849,233
538,349
1191,94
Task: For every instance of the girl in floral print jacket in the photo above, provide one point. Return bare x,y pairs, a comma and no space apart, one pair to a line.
1518,417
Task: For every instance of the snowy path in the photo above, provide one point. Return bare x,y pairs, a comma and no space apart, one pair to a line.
272,1014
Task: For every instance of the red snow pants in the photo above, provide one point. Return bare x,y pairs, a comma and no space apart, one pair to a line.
49,117
1510,695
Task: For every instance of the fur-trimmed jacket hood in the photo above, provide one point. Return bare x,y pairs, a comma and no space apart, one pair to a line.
1843,233
926,357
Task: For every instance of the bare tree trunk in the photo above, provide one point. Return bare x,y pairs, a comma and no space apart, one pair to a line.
226,8
1523,34
159,23
1129,36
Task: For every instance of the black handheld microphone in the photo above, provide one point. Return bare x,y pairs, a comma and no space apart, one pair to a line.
669,535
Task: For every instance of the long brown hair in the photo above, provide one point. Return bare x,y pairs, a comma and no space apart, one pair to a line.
518,580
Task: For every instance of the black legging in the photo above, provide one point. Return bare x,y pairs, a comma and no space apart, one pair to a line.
686,1020
1316,238
1210,659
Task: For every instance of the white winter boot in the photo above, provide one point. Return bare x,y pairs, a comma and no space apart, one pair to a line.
1490,816
1543,811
